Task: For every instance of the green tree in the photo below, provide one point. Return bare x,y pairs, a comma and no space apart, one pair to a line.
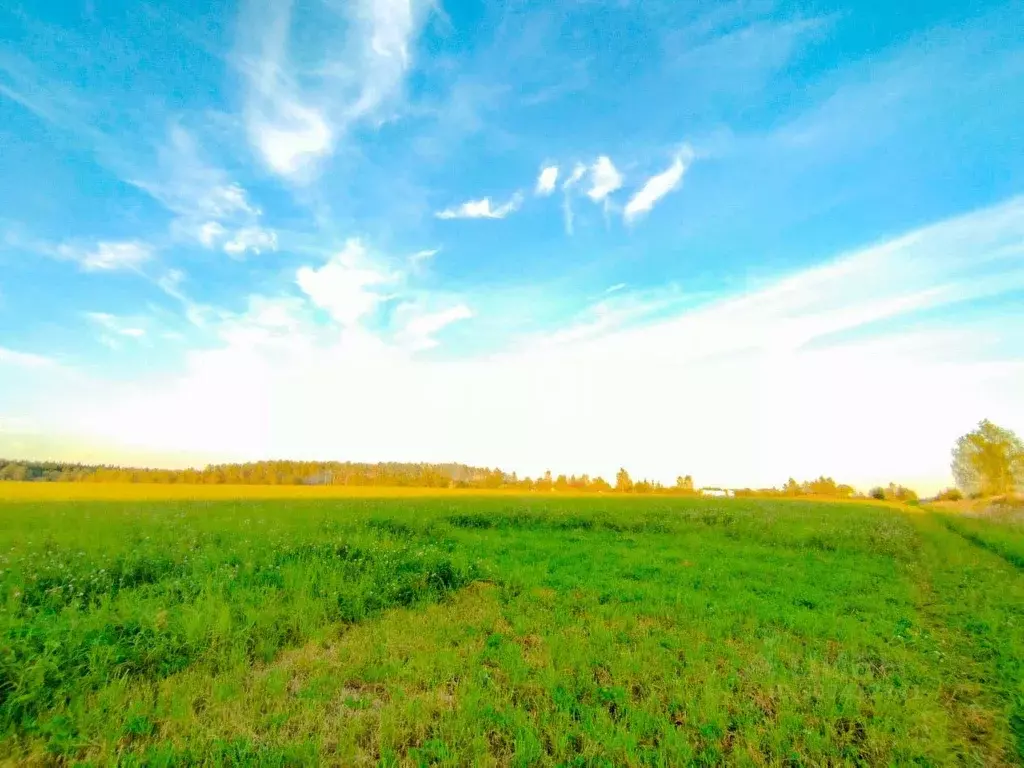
900,493
545,483
684,484
494,479
623,483
823,486
14,472
988,461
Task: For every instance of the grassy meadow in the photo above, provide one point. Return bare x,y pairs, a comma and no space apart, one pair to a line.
163,625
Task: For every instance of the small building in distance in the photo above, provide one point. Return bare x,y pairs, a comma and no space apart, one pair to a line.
719,492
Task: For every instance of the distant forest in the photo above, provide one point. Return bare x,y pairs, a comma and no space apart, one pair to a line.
399,475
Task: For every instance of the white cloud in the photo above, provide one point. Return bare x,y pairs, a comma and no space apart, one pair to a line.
268,323
226,199
199,315
347,286
577,173
251,239
742,383
289,135
180,176
213,234
116,325
658,186
275,313
424,255
187,184
170,283
387,31
568,217
615,310
481,209
114,329
546,180
420,327
102,256
294,116
108,256
604,179
210,233
210,207
25,359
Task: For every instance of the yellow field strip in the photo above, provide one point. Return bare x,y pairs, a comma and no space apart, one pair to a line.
41,491
15,491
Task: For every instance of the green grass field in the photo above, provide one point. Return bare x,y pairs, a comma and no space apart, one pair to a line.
495,629
1000,531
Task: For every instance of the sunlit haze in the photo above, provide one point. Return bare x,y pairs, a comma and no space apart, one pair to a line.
744,242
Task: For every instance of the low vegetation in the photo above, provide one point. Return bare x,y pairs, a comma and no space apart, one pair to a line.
997,526
390,475
460,629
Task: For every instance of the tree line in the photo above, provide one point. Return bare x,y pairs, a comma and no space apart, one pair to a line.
420,475
389,474
988,461
384,474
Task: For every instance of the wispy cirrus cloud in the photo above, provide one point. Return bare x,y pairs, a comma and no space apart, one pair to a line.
174,169
116,325
295,113
89,255
422,256
734,50
114,329
482,209
419,327
188,184
199,315
656,187
106,256
29,360
209,206
578,171
568,217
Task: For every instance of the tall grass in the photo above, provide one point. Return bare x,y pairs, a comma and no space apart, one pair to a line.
476,629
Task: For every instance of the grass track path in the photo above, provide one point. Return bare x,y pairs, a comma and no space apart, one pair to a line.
972,600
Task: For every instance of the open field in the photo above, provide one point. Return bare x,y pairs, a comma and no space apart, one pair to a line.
460,629
12,491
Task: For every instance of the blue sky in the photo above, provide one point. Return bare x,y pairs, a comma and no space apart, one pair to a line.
727,239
